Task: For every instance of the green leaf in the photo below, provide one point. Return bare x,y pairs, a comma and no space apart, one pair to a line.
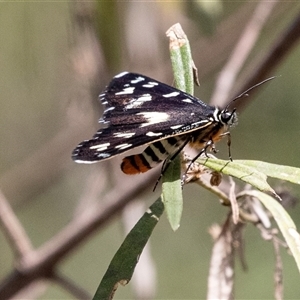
181,58
123,263
171,187
255,173
286,173
241,171
284,222
182,63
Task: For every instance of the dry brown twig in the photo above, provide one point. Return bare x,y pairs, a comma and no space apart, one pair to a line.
241,52
278,51
13,229
43,261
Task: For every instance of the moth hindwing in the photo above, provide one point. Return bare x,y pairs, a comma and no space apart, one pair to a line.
142,111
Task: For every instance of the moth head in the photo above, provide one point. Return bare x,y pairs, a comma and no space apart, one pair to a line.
227,117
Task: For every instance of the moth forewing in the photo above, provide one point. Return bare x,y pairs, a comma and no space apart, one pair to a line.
142,111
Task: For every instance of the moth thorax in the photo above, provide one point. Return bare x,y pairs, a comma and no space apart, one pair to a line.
228,117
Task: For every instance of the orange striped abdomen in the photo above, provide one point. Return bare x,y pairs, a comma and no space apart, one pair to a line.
153,155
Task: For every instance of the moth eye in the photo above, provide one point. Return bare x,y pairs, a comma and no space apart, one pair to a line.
228,118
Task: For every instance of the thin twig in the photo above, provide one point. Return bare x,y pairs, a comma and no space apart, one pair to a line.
95,185
35,290
233,201
278,272
278,51
221,270
213,190
13,229
70,286
241,52
44,167
42,261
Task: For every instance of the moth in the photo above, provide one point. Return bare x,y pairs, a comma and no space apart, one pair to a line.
142,111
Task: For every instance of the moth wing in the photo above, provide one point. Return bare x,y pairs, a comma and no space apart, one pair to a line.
139,111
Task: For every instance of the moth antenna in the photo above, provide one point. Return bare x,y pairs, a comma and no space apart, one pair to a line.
245,93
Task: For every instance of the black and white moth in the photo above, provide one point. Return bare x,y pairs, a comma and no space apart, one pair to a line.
142,111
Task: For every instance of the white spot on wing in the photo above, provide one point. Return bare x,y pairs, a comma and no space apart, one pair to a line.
108,109
123,146
146,97
121,74
100,147
124,134
153,83
173,94
99,156
153,117
85,161
187,100
176,126
150,133
150,84
103,155
198,123
126,91
139,101
138,79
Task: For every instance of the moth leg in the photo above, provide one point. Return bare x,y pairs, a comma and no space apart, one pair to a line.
184,176
208,144
228,143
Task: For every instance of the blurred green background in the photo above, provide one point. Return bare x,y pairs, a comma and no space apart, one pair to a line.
51,72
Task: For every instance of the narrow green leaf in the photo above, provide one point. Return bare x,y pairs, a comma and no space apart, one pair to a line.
181,58
182,63
284,222
178,68
286,173
255,173
171,187
187,60
241,171
123,263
